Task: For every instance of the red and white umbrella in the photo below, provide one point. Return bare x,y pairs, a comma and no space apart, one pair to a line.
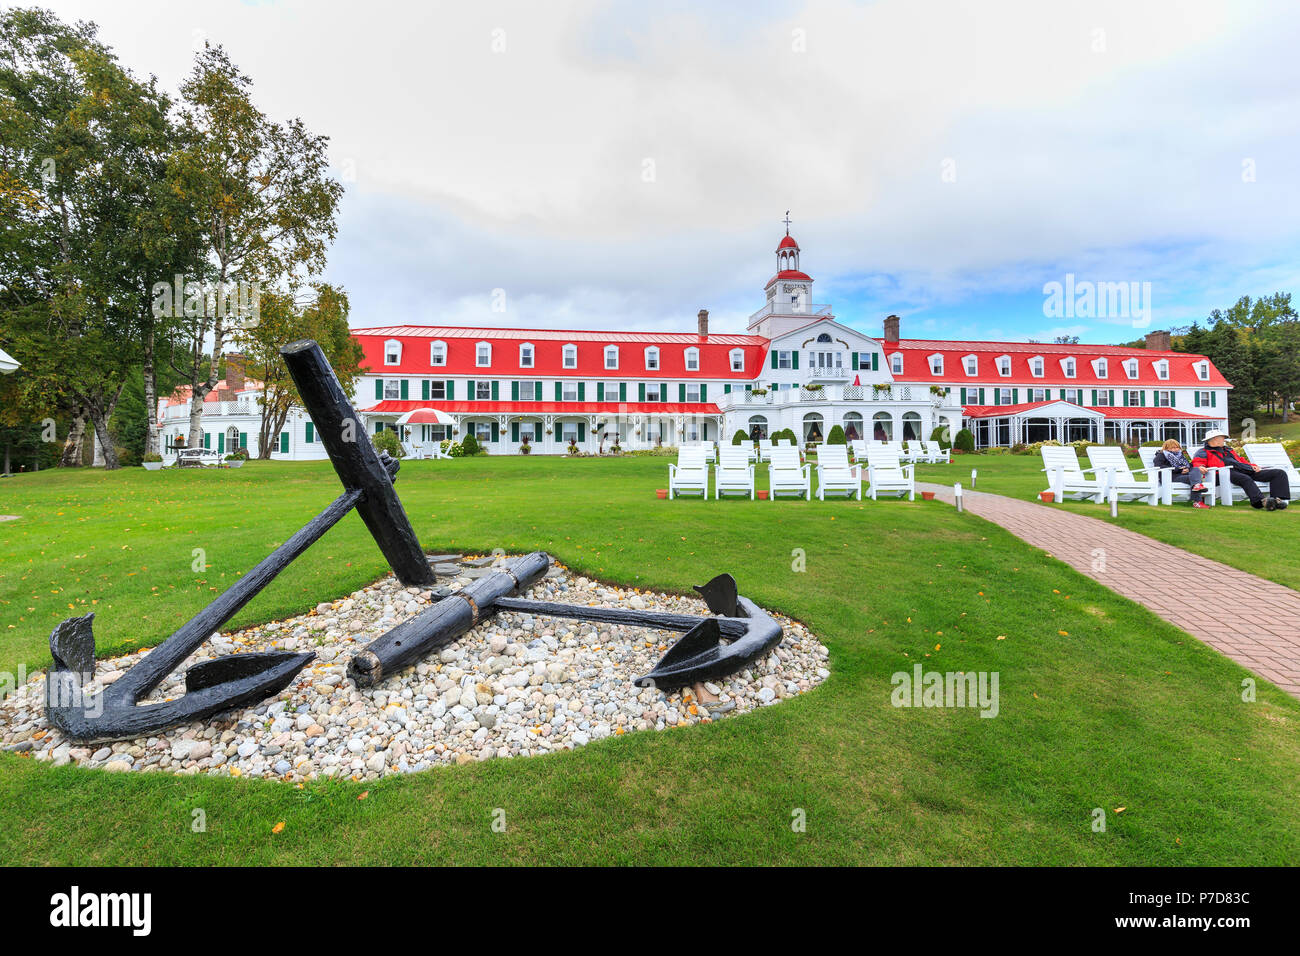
426,416
857,380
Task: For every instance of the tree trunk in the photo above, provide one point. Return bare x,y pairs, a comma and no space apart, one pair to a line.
150,395
7,472
99,420
71,457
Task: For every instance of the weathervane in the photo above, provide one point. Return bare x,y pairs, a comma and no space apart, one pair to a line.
786,220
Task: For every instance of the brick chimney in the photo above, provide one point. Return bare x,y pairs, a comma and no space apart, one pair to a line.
235,371
891,328
1158,341
703,318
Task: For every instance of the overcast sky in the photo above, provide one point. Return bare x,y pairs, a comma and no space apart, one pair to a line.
624,165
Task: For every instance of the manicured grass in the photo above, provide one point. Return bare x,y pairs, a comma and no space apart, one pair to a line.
1275,427
1101,703
1261,542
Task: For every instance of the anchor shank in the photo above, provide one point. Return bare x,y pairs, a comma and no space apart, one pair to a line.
167,656
731,627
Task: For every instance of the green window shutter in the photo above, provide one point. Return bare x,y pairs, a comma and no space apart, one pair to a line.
207,440
496,434
726,389
514,394
405,383
451,390
379,426
537,431
514,431
875,361
221,443
284,443
538,389
1142,397
981,401
243,439
794,359
310,436
1111,395
622,391
641,392
1196,399
1126,396
1173,399
773,358
1094,396
1214,399
704,393
582,391
424,389
496,390
581,431
997,396
1015,396
379,388
681,391
471,393
963,395
600,391
559,392
855,361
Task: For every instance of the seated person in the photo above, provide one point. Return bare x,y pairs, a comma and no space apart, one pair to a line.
1171,456
1243,474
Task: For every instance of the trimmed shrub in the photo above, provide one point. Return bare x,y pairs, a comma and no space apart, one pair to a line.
470,445
964,441
942,435
740,437
387,440
836,436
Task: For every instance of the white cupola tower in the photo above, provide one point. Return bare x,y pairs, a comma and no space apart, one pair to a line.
789,292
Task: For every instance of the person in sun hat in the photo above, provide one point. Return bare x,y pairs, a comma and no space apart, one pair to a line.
1245,475
1171,456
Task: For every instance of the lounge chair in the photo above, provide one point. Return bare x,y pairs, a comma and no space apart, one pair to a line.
888,475
1065,479
1273,455
734,471
1170,489
787,473
835,474
1113,470
765,449
691,473
936,453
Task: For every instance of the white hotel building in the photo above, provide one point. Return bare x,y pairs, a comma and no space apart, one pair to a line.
796,367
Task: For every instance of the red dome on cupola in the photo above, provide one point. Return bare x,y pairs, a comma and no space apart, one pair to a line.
787,243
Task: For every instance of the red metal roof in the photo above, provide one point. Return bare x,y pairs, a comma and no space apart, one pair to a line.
916,364
397,406
787,242
548,345
789,274
1141,413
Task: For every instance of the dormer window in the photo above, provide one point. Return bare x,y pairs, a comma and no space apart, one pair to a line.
611,356
936,364
526,353
483,354
896,363
1036,366
392,352
737,360
438,353
1068,367
1103,368
1162,369
652,359
1131,368
569,356
1004,366
692,360
972,364
1203,371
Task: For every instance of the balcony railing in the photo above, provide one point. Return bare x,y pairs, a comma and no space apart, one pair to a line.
833,393
812,311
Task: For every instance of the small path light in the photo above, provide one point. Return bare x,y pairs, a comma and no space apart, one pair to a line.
973,474
956,495
1114,502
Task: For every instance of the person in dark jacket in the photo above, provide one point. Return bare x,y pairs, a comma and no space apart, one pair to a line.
1243,474
1171,456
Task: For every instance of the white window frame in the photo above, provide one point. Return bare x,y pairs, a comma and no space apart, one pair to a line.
611,351
1003,365
1103,398
565,386
482,383
971,365
1101,368
1162,370
396,385
896,363
652,358
692,359
437,353
659,388
1132,369
1129,393
1069,367
1033,394
396,346
784,359
1037,366
1168,394
567,350
693,387
439,384
737,357
1203,371
531,390
1207,397
936,368
1077,393
531,355
478,358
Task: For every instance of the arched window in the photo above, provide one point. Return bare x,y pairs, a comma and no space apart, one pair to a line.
652,359
896,363
438,352
483,354
852,426
824,338
812,428
392,352
692,360
570,356
757,427
611,356
882,427
911,426
526,355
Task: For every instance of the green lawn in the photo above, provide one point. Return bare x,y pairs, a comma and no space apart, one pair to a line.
1274,426
1102,704
1261,542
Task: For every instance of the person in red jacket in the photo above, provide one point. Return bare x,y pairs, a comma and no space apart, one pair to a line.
1243,474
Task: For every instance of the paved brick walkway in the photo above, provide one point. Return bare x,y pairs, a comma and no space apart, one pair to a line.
1155,575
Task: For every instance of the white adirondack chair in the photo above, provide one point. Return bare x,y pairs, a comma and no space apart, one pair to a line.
1113,470
1066,479
734,472
1273,455
1170,489
691,473
859,450
888,475
765,449
915,451
834,473
786,473
937,453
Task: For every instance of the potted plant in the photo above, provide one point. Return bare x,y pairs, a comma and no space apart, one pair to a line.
661,493
234,461
524,447
762,494
573,447
152,461
927,496
1047,496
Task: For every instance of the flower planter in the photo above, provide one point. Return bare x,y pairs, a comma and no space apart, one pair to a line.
927,496
1047,496
152,465
661,492
236,463
762,495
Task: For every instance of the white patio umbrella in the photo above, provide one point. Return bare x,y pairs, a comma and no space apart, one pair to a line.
7,362
426,416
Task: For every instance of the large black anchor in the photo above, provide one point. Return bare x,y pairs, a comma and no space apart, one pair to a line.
212,687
